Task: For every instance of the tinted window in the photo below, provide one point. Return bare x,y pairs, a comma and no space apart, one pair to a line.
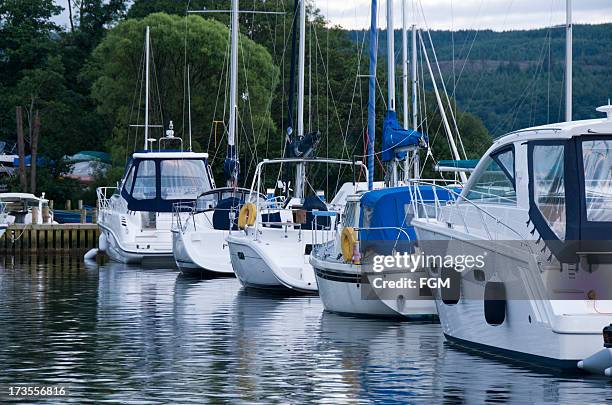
493,185
549,186
127,185
144,185
597,162
183,179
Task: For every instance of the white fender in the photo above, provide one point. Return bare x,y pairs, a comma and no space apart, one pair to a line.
102,242
91,254
599,363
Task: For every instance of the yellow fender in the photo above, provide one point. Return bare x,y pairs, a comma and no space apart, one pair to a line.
348,240
247,215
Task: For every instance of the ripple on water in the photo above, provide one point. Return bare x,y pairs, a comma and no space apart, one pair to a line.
116,333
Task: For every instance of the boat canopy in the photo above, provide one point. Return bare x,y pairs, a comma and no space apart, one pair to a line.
466,164
396,140
154,181
386,215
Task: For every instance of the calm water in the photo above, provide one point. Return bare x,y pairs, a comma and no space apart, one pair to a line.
124,334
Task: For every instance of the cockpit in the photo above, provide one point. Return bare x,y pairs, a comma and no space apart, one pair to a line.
154,183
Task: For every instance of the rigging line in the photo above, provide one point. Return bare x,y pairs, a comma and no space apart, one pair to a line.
526,92
226,83
155,76
212,127
331,93
137,94
448,101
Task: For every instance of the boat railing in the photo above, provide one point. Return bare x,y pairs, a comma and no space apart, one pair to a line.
325,244
104,194
454,211
297,222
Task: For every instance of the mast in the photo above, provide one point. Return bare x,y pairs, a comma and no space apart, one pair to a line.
415,118
147,63
372,95
300,169
405,64
390,56
568,62
189,106
231,161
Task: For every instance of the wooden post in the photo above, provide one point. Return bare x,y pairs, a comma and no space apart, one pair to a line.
34,148
21,150
35,215
68,205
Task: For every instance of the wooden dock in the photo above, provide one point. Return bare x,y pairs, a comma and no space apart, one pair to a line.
49,238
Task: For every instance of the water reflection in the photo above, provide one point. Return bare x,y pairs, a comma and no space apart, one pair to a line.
120,333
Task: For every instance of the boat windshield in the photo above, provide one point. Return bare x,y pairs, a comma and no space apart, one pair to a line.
597,165
183,179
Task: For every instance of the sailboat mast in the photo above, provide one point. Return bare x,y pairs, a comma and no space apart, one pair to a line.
568,62
390,56
189,107
415,117
405,64
372,95
231,161
147,68
300,169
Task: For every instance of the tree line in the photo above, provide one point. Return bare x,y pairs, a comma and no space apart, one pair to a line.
84,82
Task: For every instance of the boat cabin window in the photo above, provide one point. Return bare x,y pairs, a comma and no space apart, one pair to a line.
129,179
183,179
144,184
549,185
495,184
597,162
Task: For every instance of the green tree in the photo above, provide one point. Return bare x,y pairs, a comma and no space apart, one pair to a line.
116,71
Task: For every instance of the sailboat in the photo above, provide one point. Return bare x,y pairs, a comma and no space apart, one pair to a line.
272,250
199,240
136,216
377,222
538,209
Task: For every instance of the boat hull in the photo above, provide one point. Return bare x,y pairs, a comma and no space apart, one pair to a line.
205,251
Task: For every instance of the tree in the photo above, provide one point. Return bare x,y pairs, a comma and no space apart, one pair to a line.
116,71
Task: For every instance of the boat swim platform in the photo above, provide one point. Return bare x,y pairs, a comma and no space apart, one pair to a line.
49,237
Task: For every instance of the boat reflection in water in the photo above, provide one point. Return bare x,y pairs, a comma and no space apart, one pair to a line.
121,333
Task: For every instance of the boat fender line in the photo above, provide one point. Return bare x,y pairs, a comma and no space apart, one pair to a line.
348,241
91,254
103,242
247,215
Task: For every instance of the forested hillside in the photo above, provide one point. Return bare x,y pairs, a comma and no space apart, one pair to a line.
515,79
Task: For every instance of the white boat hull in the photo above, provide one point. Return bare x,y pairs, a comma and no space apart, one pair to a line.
552,333
202,251
341,291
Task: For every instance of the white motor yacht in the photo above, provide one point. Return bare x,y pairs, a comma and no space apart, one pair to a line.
135,218
538,208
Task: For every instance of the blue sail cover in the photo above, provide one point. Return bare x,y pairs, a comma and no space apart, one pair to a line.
395,136
391,209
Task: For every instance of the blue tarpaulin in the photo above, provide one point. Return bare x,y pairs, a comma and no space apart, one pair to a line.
41,161
395,136
391,208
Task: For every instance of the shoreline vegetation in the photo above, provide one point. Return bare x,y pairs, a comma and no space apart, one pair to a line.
83,82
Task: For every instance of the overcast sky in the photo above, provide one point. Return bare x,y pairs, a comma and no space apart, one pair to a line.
458,14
